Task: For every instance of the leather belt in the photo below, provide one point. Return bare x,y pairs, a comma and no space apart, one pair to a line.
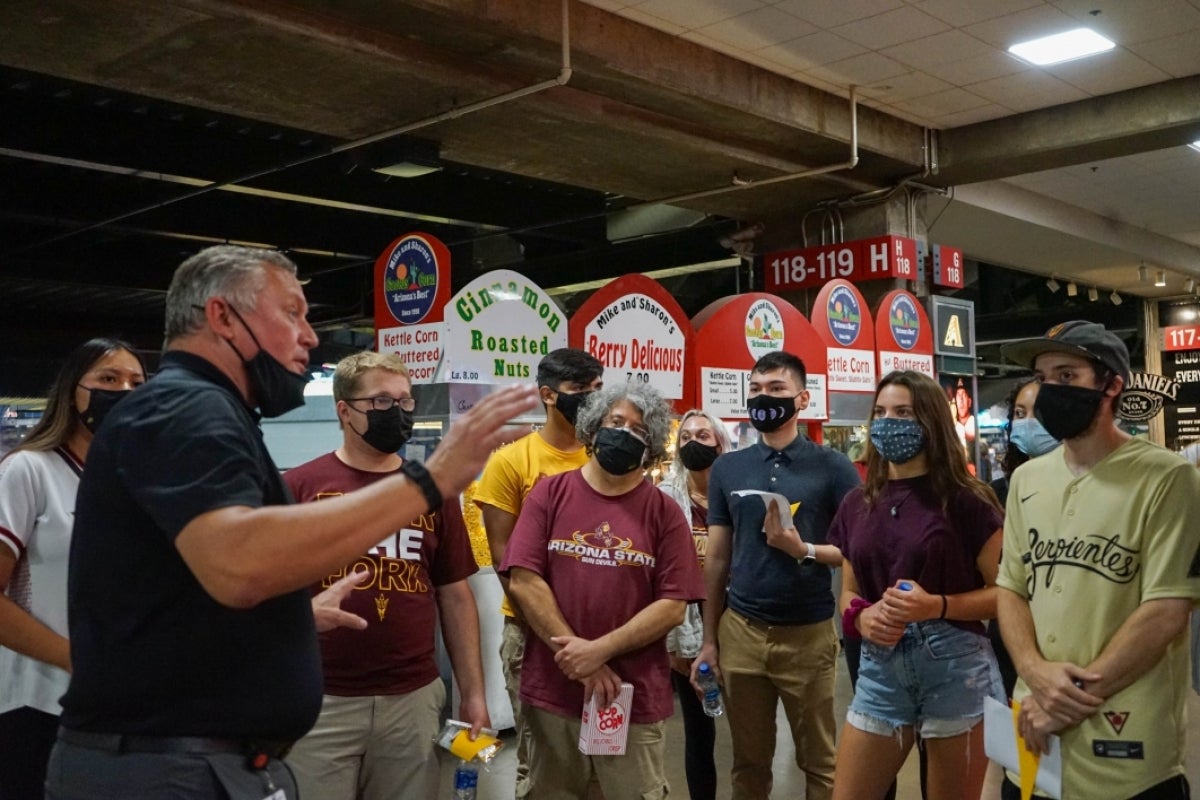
195,745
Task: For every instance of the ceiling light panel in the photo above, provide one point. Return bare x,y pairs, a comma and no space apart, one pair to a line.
1060,47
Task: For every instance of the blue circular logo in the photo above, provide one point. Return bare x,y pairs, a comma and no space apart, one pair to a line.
904,321
845,316
410,280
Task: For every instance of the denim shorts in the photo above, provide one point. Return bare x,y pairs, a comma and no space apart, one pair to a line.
934,680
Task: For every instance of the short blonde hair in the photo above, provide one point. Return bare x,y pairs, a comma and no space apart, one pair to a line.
347,375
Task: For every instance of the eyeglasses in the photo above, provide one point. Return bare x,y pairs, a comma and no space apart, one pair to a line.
385,402
637,430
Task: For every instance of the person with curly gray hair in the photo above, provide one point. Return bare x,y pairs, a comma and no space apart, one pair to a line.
655,413
602,565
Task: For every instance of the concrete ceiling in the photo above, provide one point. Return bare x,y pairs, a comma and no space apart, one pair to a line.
138,131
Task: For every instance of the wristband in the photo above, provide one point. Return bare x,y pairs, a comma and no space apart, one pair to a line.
944,604
811,555
856,607
415,471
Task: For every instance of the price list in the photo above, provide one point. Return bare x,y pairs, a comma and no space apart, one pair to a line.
723,391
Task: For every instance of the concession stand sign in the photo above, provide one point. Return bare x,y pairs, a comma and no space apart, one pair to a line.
734,332
412,286
903,335
500,326
639,333
860,260
842,320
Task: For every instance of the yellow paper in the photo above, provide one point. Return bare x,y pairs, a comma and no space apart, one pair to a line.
462,746
1027,761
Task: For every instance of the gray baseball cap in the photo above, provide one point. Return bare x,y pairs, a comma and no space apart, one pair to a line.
1089,340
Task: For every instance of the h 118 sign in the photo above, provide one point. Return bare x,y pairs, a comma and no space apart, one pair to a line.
860,260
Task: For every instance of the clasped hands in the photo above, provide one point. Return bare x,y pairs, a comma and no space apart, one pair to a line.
1059,700
882,623
585,660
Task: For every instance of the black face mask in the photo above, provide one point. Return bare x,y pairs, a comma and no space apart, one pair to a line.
101,402
277,389
618,452
387,431
569,404
697,457
1067,411
769,413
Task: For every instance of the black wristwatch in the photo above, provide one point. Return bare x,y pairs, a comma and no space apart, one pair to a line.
417,473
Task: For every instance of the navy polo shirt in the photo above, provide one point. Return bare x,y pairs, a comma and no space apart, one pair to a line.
152,652
765,583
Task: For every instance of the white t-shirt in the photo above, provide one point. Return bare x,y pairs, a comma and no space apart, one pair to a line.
37,511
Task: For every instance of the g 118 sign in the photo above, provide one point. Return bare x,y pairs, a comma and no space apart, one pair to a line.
861,260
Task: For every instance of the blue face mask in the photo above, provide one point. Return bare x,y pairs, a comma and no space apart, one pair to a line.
897,440
1031,438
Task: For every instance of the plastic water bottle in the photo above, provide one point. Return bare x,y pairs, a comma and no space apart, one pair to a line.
466,780
714,706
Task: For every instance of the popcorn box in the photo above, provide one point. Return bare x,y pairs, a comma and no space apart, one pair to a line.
604,731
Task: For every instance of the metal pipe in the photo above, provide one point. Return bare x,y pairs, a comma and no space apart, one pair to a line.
561,79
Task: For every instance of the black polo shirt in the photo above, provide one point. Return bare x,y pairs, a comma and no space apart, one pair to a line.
152,652
766,583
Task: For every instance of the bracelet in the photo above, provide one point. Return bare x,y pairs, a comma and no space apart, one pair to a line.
944,604
856,607
415,471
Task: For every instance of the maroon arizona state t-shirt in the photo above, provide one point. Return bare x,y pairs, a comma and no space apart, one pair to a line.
605,558
394,655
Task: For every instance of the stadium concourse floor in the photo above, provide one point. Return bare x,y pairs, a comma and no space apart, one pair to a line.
497,782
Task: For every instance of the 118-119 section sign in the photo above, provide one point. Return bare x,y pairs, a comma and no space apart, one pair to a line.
860,260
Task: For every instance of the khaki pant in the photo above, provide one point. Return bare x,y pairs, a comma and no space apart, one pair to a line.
762,665
558,771
512,655
372,748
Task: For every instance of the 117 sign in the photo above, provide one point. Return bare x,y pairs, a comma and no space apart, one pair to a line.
861,260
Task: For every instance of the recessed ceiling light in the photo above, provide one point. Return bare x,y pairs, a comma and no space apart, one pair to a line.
1061,47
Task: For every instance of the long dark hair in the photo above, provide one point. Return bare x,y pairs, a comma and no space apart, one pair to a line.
944,452
60,420
1013,455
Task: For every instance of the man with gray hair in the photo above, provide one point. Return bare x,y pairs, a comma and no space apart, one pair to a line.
602,565
194,654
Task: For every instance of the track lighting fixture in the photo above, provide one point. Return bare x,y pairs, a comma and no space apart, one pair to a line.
1160,278
1189,286
1053,285
1093,294
1072,289
1115,298
1143,274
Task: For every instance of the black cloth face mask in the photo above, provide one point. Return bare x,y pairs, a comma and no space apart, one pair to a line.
101,402
569,404
277,389
697,457
618,452
1066,411
387,431
769,413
